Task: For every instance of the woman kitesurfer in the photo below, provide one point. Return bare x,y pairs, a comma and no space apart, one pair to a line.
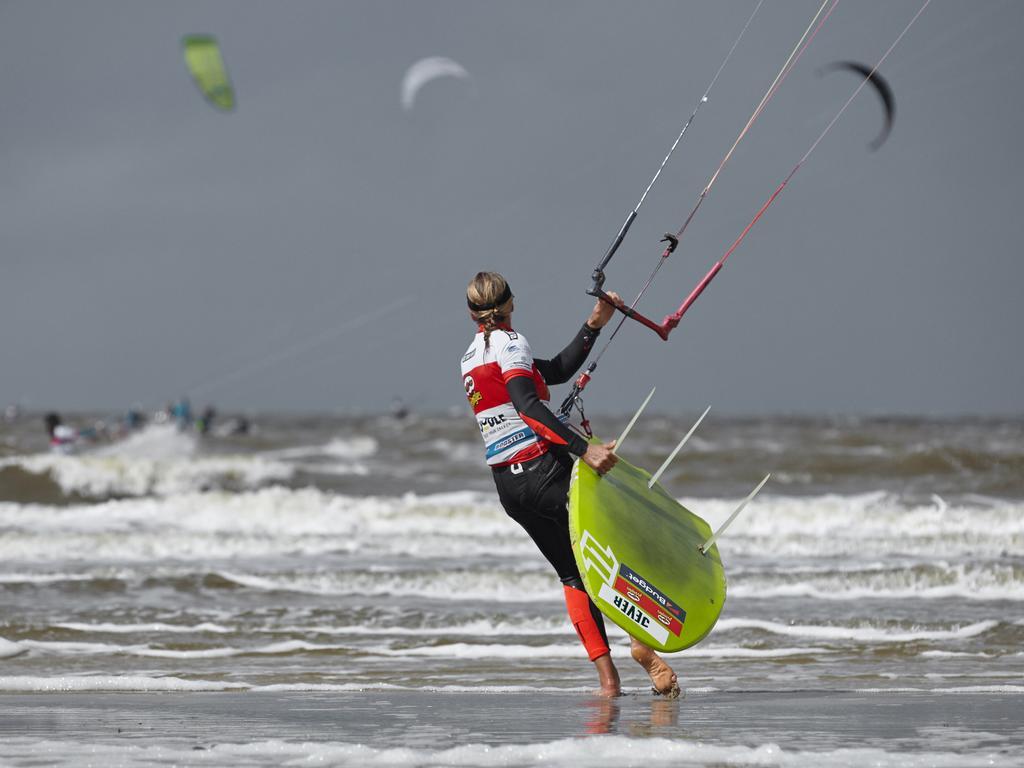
530,452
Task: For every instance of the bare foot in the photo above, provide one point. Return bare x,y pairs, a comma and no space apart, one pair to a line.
609,677
662,677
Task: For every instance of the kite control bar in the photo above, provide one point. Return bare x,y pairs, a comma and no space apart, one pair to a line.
597,289
665,327
870,75
598,276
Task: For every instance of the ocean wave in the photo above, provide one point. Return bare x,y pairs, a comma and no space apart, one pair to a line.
956,690
472,651
529,580
124,683
459,650
527,626
101,477
270,520
956,655
465,585
145,683
161,461
880,523
288,647
863,634
46,578
478,628
982,582
601,751
276,519
351,448
155,626
154,441
10,649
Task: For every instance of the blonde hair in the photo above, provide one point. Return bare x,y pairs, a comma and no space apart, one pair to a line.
482,294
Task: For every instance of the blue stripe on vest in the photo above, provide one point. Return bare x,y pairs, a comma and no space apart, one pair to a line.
508,441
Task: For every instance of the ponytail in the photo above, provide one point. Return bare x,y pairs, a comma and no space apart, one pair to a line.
490,302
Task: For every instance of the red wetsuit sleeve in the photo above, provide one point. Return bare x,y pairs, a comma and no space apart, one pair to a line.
524,396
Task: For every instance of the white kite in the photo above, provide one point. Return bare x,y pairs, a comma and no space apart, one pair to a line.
425,70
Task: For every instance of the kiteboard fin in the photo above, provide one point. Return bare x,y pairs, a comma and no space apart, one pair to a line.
618,443
707,544
678,448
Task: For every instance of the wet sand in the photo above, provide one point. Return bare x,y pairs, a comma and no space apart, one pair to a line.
425,722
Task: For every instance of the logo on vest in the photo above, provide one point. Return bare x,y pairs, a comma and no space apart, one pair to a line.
473,396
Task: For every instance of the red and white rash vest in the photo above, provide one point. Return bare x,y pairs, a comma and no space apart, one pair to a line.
508,438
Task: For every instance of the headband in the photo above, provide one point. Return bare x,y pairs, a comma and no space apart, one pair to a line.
505,296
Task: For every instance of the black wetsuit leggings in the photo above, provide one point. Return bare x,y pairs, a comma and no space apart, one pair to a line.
536,498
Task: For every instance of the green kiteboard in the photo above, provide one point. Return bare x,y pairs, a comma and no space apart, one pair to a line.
638,551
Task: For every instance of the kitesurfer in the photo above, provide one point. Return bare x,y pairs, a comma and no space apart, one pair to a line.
63,439
530,452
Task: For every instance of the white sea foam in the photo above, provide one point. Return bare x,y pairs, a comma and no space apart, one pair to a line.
162,461
955,655
463,452
274,649
258,523
605,751
558,651
448,650
67,648
351,448
864,634
532,581
144,683
112,683
834,525
155,626
481,628
532,585
274,519
340,470
60,648
154,441
9,650
963,689
43,578
490,651
976,580
117,475
733,652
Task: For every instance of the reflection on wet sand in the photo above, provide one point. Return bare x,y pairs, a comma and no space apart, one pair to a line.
602,717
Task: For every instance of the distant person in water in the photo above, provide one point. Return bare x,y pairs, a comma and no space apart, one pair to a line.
530,452
133,420
182,414
239,425
399,410
63,439
205,421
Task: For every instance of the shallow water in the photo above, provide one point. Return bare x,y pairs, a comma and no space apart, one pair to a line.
337,555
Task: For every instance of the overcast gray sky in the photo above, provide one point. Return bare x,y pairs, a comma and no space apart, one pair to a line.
311,249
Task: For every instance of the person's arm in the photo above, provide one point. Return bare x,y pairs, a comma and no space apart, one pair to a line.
600,457
527,402
561,368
